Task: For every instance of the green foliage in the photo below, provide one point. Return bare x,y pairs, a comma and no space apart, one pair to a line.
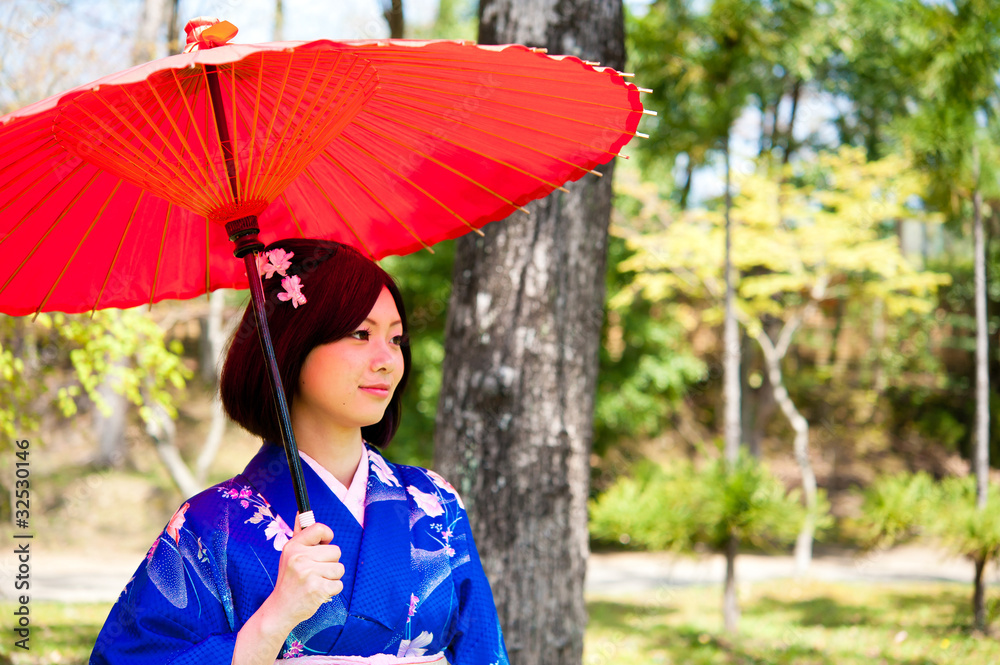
678,507
894,508
956,521
425,282
76,354
902,506
646,361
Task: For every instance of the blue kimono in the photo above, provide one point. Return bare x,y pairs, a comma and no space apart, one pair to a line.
413,584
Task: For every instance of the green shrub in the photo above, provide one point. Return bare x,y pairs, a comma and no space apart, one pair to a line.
959,525
895,508
675,508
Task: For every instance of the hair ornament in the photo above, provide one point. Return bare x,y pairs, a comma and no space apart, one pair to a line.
278,261
292,291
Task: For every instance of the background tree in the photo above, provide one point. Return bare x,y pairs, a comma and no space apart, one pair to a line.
809,241
952,131
514,422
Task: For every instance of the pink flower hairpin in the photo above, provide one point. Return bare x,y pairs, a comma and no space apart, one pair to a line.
279,261
293,291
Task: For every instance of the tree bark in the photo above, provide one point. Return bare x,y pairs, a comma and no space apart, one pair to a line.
393,12
514,423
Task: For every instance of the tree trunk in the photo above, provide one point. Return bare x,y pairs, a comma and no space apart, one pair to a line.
174,45
773,355
730,603
979,596
214,341
514,422
110,429
731,399
731,338
147,40
278,34
982,455
393,12
163,431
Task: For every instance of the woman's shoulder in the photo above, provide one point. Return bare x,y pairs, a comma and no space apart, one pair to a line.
207,507
414,479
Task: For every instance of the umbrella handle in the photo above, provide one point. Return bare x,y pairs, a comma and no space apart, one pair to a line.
243,233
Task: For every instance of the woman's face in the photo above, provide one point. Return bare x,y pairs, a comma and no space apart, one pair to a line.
348,383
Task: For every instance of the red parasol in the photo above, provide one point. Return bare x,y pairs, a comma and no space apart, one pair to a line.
128,190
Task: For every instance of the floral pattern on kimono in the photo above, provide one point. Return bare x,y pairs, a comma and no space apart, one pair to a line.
413,582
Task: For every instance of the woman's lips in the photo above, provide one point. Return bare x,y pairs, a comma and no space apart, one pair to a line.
378,389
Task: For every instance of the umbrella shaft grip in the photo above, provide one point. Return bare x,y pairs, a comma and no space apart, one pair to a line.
243,233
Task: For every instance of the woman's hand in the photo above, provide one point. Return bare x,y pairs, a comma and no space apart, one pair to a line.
309,574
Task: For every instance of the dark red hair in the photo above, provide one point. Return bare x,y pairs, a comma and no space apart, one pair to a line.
341,286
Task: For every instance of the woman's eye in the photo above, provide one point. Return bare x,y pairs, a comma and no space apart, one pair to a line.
361,334
401,340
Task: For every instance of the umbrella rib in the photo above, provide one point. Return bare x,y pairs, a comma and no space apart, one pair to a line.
291,213
48,232
183,139
90,228
42,201
283,163
180,159
253,128
447,167
114,260
568,139
214,174
515,91
501,137
275,163
159,257
23,171
346,108
97,120
270,127
138,172
339,214
418,187
426,63
517,107
235,138
344,105
475,152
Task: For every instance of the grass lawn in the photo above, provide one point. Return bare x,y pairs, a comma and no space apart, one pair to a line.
783,623
792,623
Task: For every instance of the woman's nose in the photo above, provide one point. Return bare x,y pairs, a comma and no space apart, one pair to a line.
384,357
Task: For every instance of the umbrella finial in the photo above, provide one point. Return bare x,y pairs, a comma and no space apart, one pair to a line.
206,32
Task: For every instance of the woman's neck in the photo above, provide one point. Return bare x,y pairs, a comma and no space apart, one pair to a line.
339,453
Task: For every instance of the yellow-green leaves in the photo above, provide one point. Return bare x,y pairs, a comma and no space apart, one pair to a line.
73,355
817,231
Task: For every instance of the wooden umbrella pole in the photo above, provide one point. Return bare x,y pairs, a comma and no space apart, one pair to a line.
243,233
291,448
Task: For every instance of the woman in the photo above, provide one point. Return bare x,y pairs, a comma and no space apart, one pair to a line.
388,574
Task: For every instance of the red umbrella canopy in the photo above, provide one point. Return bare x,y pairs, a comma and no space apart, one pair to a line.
116,193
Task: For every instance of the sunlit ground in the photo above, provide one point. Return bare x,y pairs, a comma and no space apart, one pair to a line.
783,623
